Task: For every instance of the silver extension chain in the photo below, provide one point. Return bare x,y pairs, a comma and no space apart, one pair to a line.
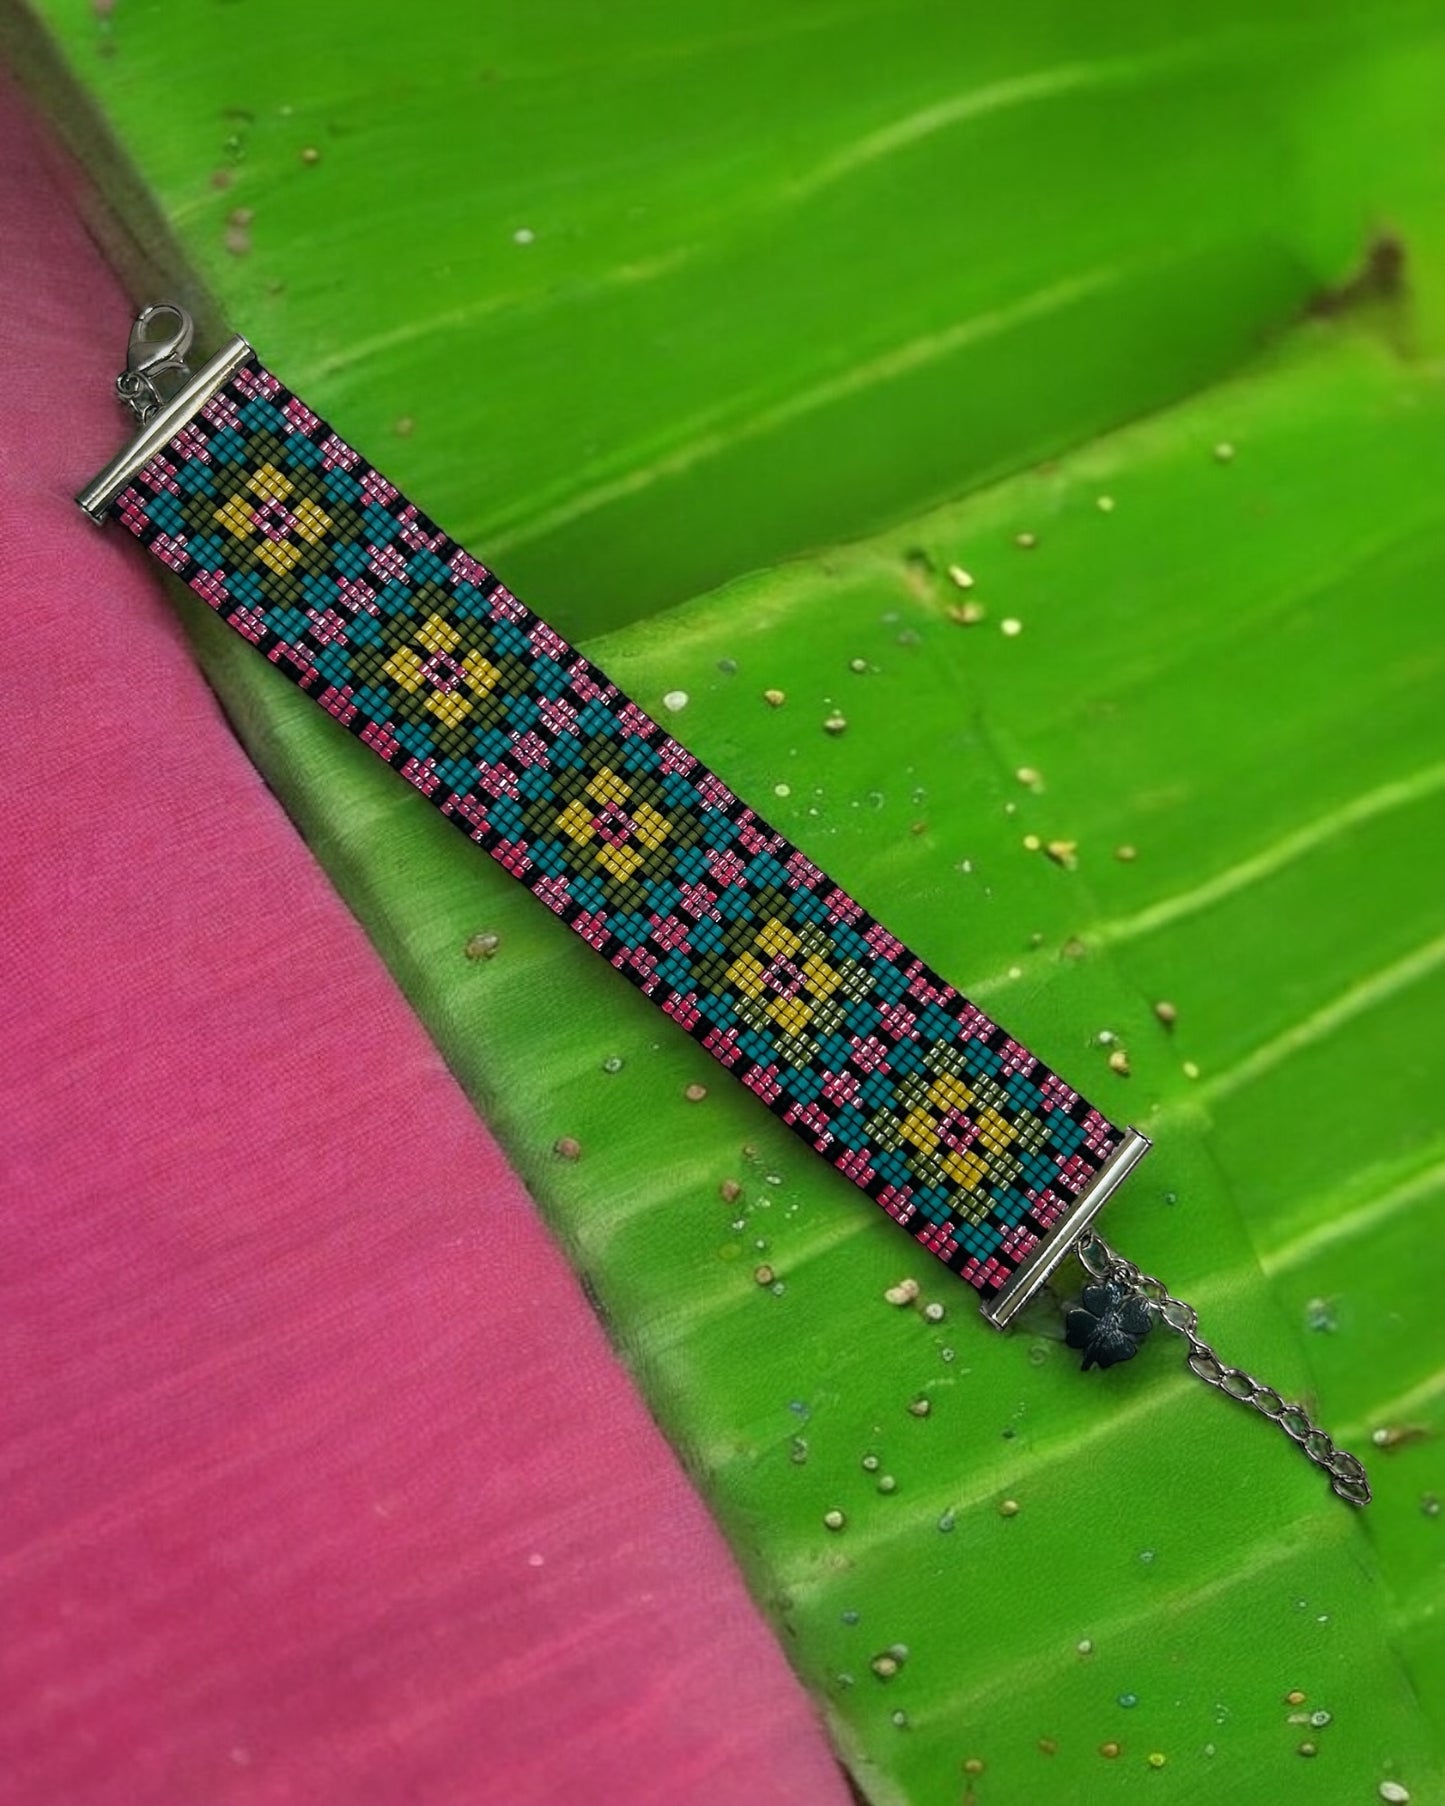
1346,1471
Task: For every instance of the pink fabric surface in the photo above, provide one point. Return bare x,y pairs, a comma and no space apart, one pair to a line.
319,1481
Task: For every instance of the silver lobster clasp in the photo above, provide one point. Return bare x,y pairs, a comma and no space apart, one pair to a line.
155,364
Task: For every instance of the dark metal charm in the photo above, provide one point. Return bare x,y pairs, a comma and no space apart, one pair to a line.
1105,1327
1108,1323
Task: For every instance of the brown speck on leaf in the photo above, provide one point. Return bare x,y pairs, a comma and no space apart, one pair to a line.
774,698
1119,1062
1126,855
1073,948
567,1147
1008,1508
919,570
1111,1750
1381,277
1309,1749
238,231
730,1191
967,614
221,178
1064,853
482,946
764,1274
1047,1747
1295,1697
1166,1012
918,827
310,154
973,1766
695,1093
1392,1436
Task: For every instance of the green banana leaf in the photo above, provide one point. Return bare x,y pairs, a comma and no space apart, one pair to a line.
1105,1585
646,295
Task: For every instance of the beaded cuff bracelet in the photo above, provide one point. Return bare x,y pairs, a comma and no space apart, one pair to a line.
967,1140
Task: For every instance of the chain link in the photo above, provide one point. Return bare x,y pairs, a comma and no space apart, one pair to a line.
1346,1472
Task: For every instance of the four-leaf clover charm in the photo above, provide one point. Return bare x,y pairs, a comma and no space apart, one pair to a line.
1108,1323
